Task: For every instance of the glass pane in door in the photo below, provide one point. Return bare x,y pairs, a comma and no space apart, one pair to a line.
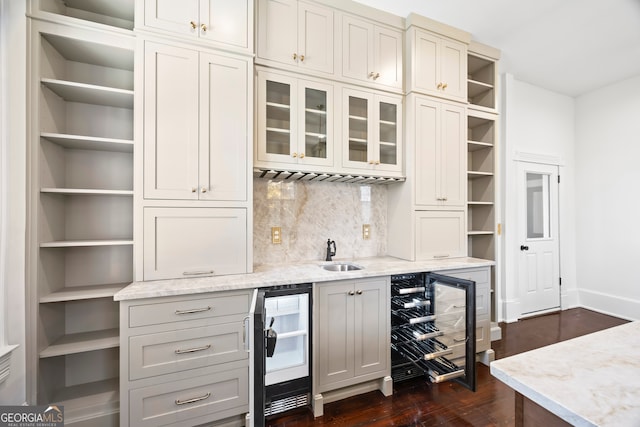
388,133
278,118
538,224
358,131
315,127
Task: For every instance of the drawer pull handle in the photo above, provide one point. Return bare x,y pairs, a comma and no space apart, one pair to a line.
441,256
460,339
193,310
193,350
194,400
197,273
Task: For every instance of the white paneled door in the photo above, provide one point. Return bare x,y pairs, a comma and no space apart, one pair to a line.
539,260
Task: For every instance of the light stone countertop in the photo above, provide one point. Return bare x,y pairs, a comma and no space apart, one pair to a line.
286,274
592,380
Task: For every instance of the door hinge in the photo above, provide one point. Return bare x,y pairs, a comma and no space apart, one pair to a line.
558,179
560,280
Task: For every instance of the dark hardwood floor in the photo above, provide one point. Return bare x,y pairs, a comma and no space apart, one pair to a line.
418,403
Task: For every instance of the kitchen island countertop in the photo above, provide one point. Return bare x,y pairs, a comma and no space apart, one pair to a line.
285,274
592,380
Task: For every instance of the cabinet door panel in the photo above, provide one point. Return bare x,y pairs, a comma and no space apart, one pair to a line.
453,69
193,242
171,15
371,337
357,49
227,21
427,160
426,73
440,234
315,38
277,30
336,334
277,119
388,56
315,140
453,160
224,113
170,122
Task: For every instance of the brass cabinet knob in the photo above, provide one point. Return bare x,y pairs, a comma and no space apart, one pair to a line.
295,56
351,293
193,25
302,155
301,58
204,28
375,77
294,155
444,86
439,85
204,189
194,189
377,162
359,292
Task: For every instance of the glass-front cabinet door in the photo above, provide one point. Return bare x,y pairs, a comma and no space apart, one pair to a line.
372,130
295,121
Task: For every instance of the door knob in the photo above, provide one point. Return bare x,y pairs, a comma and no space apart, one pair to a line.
524,248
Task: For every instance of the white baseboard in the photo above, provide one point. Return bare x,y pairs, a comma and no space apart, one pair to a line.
625,308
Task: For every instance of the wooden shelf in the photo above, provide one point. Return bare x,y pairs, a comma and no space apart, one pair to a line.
479,233
92,53
85,243
80,142
477,145
475,88
359,118
82,342
278,130
475,203
90,94
278,105
78,293
86,192
319,112
477,174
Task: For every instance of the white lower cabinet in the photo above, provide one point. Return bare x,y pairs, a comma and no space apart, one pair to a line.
440,234
193,242
184,360
351,336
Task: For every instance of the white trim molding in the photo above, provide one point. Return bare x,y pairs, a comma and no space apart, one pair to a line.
521,156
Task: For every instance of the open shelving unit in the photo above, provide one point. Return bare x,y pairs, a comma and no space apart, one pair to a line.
81,202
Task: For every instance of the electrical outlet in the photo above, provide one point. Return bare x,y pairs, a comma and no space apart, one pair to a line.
366,231
276,235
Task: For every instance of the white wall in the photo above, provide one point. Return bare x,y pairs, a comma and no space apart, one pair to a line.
13,205
536,121
608,199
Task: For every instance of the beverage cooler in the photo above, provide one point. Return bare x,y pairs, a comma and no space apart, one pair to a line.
433,328
280,351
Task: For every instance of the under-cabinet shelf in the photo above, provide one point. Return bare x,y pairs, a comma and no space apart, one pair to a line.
86,191
82,342
90,94
85,243
78,293
81,142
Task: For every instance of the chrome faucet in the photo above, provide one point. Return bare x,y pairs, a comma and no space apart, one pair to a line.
330,253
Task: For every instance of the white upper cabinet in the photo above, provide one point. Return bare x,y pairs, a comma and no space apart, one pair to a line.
196,124
440,153
295,120
372,131
220,22
295,34
438,65
371,53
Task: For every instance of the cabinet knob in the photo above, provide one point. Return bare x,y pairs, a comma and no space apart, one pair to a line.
444,86
301,155
376,76
204,28
359,292
301,58
193,25
377,162
295,56
204,189
294,155
439,85
351,293
194,189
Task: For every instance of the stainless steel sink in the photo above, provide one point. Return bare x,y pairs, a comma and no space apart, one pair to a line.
343,266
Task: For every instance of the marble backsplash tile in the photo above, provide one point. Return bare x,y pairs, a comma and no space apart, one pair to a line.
310,213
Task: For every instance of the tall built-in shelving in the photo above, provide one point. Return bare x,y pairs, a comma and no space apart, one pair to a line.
81,144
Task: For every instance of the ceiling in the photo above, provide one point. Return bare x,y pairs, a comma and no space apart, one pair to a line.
570,47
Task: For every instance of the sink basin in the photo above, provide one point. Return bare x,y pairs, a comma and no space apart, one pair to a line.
344,266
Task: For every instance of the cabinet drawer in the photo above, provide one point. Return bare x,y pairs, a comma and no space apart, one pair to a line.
224,393
456,341
193,309
194,242
482,277
167,352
